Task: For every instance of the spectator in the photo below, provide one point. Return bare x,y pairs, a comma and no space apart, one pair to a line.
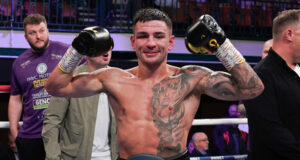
200,142
233,110
228,138
244,128
266,47
30,72
242,114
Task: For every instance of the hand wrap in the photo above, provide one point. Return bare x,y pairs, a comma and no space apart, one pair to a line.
70,60
229,55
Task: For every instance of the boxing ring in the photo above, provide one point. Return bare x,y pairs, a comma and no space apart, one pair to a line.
196,122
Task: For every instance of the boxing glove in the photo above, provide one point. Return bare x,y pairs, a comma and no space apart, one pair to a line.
92,41
204,36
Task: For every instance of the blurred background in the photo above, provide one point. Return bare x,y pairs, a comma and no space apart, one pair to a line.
248,23
240,19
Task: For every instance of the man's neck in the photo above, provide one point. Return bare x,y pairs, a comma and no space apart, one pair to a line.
153,73
40,51
286,54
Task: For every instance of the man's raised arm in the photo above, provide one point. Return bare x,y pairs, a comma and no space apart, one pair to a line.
206,36
91,42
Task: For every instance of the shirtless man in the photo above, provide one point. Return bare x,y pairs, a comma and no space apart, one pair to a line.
155,103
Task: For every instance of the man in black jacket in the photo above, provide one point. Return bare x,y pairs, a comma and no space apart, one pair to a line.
273,116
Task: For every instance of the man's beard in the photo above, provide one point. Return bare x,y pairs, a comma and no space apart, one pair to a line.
39,49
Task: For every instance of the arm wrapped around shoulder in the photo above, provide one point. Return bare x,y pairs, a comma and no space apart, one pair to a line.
91,41
206,36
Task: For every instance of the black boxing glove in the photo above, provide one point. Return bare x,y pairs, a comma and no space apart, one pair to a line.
204,35
92,41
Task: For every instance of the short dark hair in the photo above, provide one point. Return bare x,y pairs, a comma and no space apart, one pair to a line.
149,14
34,19
284,19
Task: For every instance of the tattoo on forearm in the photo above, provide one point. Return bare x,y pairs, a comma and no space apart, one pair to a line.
247,78
253,83
244,82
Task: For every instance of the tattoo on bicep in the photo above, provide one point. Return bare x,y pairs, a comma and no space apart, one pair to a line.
219,85
223,88
253,81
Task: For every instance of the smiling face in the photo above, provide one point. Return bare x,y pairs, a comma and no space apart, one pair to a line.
37,36
152,40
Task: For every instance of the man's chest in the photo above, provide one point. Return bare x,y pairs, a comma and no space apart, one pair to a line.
165,98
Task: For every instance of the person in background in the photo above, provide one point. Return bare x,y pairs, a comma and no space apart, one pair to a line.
233,110
266,47
242,114
273,117
228,138
244,128
30,72
201,145
82,128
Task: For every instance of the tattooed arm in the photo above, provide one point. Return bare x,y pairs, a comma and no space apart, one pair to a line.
241,83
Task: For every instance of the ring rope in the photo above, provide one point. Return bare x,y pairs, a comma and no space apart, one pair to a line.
5,124
203,122
196,122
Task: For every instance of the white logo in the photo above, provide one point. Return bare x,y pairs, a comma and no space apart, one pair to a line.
41,68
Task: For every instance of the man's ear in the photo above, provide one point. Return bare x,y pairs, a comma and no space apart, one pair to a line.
288,34
25,35
171,42
132,40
